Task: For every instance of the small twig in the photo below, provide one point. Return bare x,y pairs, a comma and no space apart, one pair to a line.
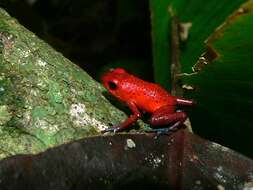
175,57
176,89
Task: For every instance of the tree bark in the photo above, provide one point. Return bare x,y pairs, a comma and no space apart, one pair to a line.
45,100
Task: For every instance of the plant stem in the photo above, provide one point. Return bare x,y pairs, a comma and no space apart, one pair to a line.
176,90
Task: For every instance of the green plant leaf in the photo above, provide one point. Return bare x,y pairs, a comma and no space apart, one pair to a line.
224,87
204,16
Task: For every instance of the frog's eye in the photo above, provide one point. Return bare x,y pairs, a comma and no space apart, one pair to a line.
112,85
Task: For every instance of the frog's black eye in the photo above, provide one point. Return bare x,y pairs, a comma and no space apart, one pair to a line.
112,85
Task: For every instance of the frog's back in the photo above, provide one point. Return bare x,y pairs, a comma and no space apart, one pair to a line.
148,96
156,97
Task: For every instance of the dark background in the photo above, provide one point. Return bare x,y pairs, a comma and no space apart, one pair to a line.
96,35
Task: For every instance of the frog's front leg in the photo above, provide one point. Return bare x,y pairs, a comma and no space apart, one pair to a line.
129,121
165,116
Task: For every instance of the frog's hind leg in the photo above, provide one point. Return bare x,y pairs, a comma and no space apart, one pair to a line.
165,116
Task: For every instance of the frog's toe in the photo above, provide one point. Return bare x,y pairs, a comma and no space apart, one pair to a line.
159,131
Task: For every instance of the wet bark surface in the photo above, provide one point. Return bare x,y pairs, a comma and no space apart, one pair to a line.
136,161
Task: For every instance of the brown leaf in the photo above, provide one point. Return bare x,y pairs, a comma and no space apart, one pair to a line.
130,161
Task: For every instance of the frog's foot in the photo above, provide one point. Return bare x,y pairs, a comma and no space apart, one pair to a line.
160,131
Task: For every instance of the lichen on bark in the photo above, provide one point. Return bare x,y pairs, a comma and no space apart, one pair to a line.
45,100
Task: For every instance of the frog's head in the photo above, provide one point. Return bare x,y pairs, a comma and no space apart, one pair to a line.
112,80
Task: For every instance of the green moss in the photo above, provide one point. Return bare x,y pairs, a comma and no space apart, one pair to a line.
49,100
5,115
39,112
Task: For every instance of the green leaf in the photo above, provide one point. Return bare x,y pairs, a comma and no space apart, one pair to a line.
224,87
160,41
205,16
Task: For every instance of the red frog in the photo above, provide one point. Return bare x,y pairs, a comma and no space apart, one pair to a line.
144,96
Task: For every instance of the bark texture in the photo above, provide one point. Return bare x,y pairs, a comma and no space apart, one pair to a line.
45,100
